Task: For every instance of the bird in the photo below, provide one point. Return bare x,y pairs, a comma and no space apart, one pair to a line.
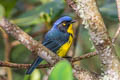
58,39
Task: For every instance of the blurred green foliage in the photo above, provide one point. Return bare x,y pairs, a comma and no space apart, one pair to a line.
2,9
110,11
35,15
41,12
8,5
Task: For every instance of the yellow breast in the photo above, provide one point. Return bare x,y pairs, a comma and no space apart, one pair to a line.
64,48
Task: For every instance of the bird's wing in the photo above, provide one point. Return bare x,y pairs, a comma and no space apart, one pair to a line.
54,40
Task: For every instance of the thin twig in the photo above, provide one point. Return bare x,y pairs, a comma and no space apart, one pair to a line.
25,66
118,30
85,56
7,44
21,66
39,32
116,34
14,43
118,8
7,52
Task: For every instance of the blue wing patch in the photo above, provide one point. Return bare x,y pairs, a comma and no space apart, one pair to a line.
55,39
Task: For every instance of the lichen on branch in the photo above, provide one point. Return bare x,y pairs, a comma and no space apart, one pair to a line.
28,41
87,10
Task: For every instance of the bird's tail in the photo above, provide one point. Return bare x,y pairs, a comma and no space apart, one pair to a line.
34,65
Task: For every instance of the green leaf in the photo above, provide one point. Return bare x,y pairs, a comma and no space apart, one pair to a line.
33,16
62,71
2,11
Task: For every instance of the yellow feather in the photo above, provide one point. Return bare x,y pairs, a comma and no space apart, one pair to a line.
70,29
64,48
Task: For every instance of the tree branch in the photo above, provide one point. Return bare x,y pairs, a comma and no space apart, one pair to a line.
25,66
29,42
85,56
7,52
22,66
87,10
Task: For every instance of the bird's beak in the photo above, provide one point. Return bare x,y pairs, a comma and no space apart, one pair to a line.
73,21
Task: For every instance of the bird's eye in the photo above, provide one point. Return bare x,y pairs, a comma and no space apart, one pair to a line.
64,24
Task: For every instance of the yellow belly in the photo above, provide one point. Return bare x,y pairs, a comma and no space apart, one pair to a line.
64,48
